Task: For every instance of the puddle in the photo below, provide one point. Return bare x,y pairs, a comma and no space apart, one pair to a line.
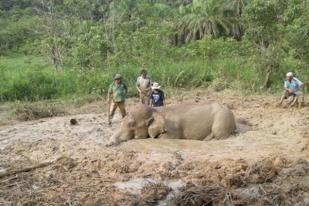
175,186
135,186
2,170
253,192
242,128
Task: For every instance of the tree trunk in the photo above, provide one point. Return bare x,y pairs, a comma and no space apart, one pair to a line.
267,82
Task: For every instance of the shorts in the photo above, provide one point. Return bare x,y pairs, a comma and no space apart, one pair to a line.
294,94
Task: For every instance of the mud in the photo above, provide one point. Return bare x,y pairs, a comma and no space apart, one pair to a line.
264,163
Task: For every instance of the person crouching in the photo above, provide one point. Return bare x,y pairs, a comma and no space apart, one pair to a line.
293,87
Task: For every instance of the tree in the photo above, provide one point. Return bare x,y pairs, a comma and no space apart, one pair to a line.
236,7
202,18
53,30
210,17
263,27
296,17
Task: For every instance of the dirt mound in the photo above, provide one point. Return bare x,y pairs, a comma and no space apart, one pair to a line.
54,162
91,181
26,112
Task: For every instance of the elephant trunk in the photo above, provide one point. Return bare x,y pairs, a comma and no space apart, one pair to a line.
115,139
120,136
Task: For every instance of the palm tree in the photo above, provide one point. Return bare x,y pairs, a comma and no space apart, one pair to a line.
202,18
236,7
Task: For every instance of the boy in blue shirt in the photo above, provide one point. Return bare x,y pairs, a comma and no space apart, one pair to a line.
157,95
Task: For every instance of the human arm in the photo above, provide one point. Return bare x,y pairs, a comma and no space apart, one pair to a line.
110,93
300,83
126,89
151,99
138,85
163,98
287,88
150,81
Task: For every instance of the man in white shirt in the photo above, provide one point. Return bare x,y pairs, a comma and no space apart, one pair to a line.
292,87
143,85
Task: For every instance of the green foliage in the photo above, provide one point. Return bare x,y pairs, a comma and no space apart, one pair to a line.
203,18
33,80
239,44
16,32
261,22
89,48
297,31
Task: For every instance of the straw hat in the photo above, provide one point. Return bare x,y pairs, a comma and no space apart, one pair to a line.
155,85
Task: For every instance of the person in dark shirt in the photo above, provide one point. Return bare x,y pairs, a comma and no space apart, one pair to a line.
157,95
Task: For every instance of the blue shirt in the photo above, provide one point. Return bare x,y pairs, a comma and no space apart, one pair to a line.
294,84
157,98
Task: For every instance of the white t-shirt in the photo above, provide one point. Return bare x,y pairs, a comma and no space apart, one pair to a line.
143,83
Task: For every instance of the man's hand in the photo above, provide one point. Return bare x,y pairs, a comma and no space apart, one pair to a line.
302,87
142,92
290,91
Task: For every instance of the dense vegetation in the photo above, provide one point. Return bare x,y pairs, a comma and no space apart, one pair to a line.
58,48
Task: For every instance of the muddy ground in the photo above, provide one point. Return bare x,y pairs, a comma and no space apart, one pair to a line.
51,162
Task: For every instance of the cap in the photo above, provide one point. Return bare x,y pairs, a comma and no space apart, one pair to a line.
117,76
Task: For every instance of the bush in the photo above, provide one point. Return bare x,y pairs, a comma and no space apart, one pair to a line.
26,112
34,80
36,85
15,33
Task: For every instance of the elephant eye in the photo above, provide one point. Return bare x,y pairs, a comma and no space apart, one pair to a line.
131,123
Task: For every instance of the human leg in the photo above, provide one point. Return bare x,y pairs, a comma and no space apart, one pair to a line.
112,110
293,101
141,98
147,100
122,108
284,96
300,98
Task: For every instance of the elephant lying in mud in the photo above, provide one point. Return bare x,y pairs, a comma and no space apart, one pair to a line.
186,121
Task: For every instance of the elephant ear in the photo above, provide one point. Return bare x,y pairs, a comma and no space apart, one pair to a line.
149,121
157,125
131,122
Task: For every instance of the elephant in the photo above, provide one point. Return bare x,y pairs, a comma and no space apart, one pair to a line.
184,121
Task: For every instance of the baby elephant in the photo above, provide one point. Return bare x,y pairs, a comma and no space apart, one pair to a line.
185,121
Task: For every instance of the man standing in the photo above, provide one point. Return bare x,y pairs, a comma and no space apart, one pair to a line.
117,93
143,85
292,87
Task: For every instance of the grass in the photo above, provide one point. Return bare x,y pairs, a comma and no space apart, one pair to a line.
6,113
32,78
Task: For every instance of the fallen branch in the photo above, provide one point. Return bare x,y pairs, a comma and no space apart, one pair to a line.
8,180
27,169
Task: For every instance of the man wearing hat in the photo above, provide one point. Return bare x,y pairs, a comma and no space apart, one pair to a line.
157,95
292,87
117,93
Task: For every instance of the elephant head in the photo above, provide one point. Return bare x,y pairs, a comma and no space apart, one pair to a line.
141,122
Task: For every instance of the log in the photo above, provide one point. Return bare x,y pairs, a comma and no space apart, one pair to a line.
27,169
